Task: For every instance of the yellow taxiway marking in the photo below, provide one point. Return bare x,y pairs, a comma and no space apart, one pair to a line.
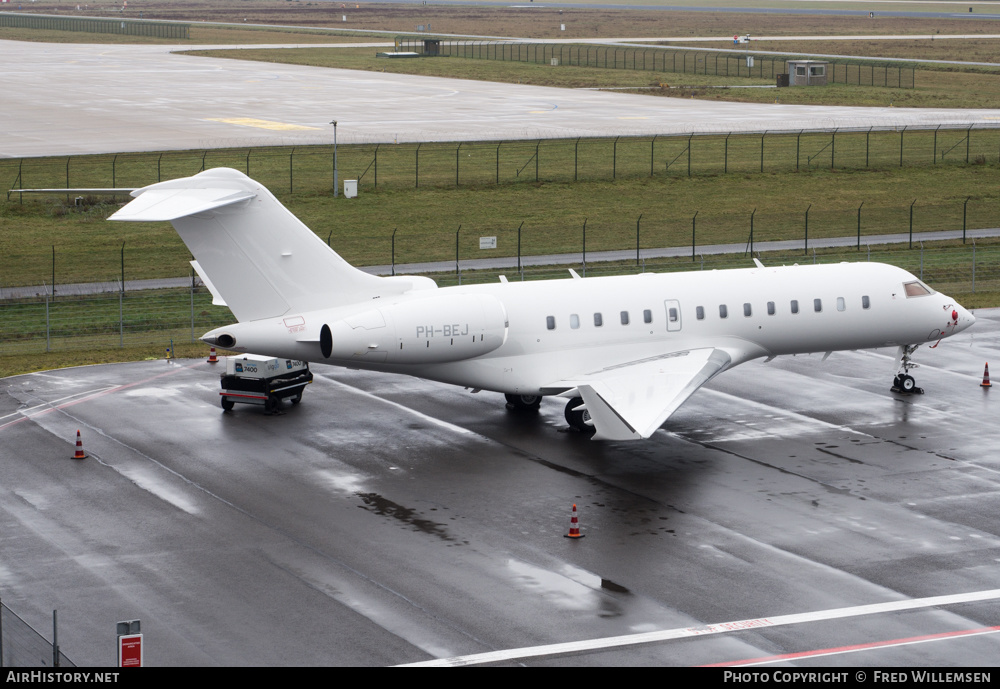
260,124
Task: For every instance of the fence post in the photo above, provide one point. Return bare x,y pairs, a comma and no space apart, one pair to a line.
192,305
457,272
693,218
973,266
498,158
519,246
901,145
964,208
291,176
614,159
806,249
456,162
859,225
585,246
55,641
652,145
761,150
637,238
911,223
416,180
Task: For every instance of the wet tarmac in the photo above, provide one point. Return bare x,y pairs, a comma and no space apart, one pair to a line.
388,520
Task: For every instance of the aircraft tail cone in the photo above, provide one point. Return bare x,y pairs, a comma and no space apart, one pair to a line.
80,454
574,526
986,378
212,358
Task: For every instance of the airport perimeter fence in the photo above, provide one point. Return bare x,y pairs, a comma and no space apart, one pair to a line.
667,59
122,26
483,163
73,319
94,260
22,646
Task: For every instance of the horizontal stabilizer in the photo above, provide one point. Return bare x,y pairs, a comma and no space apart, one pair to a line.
154,205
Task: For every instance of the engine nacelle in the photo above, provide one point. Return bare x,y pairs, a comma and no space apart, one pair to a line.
428,330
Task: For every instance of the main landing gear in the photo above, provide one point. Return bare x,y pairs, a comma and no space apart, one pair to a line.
904,383
578,419
525,403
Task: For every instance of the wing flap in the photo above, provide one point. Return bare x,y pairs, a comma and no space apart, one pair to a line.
631,401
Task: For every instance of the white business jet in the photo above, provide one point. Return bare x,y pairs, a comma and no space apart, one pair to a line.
627,351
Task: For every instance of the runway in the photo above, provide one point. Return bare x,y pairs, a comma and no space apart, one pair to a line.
791,513
140,98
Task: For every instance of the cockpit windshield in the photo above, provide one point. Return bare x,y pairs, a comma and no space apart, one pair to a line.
916,289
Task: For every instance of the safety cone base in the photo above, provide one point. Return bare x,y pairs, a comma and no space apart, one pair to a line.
574,535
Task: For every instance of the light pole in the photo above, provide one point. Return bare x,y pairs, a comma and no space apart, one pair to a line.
334,123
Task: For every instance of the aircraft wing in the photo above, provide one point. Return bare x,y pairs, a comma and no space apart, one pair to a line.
631,400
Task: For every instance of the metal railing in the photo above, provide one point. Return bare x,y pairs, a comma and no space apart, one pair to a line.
22,646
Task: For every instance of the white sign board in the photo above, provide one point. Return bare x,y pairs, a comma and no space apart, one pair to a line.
487,242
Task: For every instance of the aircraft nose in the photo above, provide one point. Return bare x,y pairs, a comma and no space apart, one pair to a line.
963,318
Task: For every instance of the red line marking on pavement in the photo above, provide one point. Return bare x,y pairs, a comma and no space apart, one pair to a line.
857,647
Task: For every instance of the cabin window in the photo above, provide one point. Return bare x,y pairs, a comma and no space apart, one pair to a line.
817,305
699,313
673,315
550,322
866,302
841,304
574,321
916,289
624,317
795,305
647,316
723,311
770,308
598,320
747,310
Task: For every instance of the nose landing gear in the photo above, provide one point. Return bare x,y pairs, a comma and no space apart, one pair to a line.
904,383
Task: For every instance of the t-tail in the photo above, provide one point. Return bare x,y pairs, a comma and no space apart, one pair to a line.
253,254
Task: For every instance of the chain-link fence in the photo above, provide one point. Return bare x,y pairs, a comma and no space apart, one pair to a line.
415,165
167,316
96,321
54,273
22,646
668,59
121,26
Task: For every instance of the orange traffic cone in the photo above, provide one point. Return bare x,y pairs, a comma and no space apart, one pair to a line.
80,454
986,378
574,526
212,358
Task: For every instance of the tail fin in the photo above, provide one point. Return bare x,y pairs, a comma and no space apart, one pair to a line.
260,258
